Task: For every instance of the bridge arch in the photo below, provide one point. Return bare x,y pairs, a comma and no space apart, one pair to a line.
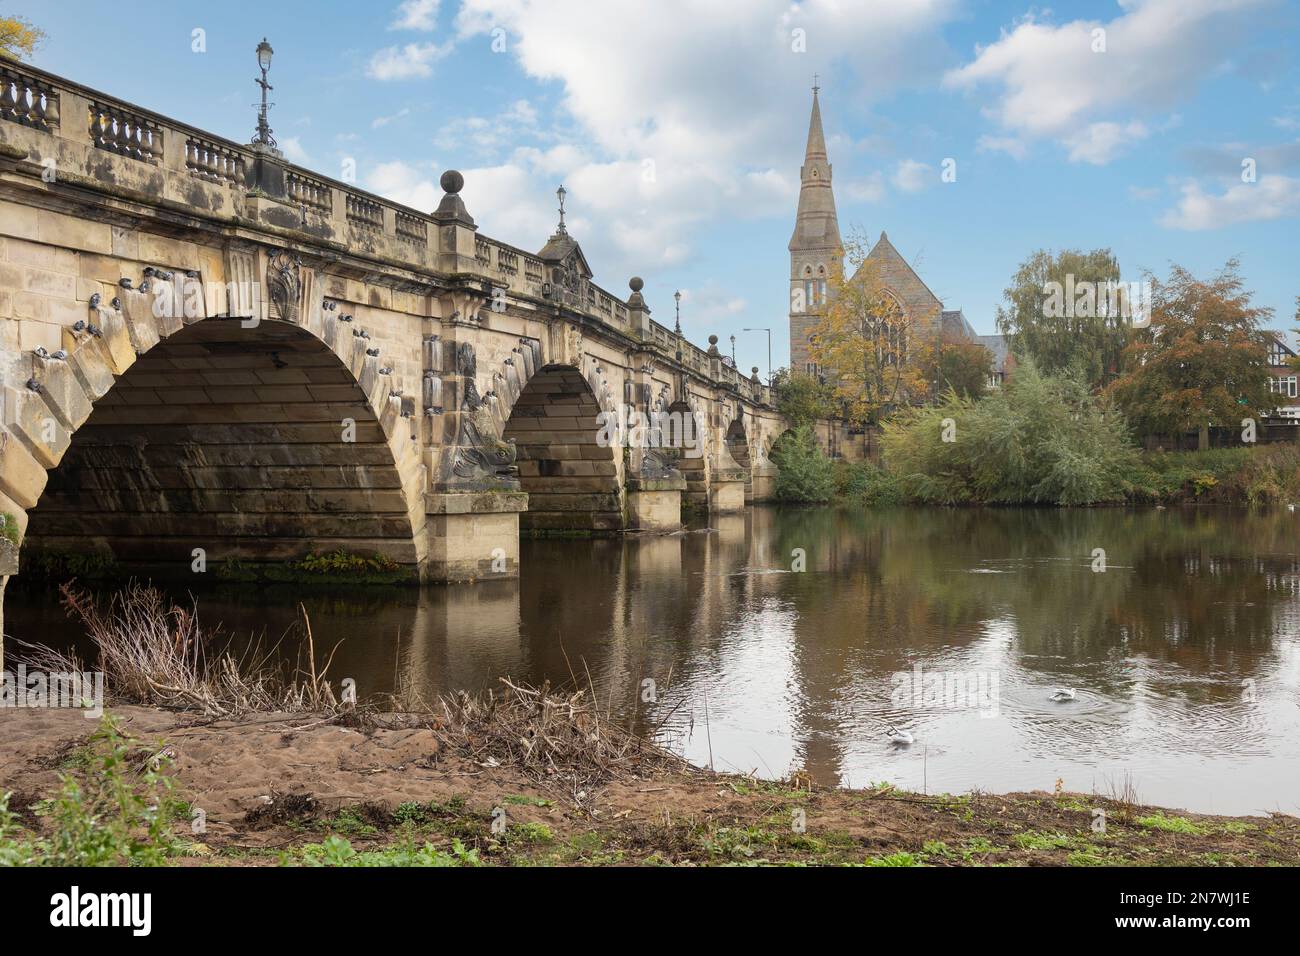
573,476
255,441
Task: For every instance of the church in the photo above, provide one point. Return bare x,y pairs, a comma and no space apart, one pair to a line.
815,249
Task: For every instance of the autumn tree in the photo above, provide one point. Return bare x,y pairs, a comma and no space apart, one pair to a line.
1069,311
874,353
18,38
1202,362
961,365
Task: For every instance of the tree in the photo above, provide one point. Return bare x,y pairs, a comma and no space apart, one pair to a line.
1042,439
1068,311
1202,362
875,354
802,399
18,38
804,473
962,366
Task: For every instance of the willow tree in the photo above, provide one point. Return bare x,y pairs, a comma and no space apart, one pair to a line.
1069,311
875,354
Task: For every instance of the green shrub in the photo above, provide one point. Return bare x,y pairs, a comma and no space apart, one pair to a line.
1041,439
121,815
8,527
865,482
805,474
336,851
342,562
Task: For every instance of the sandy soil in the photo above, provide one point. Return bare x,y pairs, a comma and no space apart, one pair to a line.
271,785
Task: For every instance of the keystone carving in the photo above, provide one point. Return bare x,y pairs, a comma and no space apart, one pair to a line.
284,284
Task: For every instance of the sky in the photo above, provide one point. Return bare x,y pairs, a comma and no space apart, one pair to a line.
678,127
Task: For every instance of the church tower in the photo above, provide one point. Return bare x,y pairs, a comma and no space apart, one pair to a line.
815,246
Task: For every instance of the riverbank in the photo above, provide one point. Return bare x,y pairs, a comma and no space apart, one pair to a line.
1246,476
279,789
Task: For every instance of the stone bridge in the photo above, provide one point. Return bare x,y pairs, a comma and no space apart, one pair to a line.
208,351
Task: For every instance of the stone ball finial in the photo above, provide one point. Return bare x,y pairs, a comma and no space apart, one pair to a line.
452,181
754,369
635,284
713,340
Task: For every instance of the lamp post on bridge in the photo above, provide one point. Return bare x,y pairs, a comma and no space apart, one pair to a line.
677,298
769,351
262,139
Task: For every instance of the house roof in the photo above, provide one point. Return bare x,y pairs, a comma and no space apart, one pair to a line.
1000,346
953,322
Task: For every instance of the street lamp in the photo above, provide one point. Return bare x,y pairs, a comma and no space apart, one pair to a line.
769,351
677,298
263,139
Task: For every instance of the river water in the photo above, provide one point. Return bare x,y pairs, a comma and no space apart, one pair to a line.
791,639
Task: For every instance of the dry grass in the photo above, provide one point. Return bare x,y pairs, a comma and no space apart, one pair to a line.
559,738
154,652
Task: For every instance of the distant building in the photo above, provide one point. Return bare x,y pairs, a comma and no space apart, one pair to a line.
1282,377
816,249
1004,360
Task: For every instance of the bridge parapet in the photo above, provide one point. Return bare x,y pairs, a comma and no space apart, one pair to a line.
77,134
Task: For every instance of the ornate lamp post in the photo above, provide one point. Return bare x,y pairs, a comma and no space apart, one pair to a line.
560,194
263,140
677,297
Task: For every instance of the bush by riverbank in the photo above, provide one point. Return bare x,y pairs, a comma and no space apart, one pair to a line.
1041,440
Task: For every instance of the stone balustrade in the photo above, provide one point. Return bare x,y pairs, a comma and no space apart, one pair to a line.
180,163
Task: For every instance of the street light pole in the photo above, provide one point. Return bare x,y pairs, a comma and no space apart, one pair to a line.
769,351
263,139
677,298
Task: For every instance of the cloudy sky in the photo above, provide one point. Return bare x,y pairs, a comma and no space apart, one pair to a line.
678,127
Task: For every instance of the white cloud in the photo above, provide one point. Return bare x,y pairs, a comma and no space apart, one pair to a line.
515,124
381,121
416,15
1272,197
1013,147
406,62
709,305
671,142
912,176
1099,143
291,146
1052,85
868,189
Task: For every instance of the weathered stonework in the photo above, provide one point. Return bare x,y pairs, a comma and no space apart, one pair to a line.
204,347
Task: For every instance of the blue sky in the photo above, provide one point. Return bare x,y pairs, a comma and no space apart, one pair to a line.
678,127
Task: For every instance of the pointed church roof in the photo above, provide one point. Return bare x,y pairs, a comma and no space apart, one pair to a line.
816,148
816,227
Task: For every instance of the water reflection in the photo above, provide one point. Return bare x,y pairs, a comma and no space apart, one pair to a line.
1182,653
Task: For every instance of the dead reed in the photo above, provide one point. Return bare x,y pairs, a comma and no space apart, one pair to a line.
153,651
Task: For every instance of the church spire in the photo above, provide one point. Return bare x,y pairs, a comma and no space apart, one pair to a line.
816,139
816,226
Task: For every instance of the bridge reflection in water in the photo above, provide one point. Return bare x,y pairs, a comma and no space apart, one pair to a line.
1183,653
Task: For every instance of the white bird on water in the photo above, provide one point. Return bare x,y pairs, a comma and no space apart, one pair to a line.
1062,694
899,738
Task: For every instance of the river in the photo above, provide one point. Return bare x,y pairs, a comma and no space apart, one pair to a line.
791,639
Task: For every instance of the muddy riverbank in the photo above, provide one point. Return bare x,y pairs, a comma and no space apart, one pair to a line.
280,789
